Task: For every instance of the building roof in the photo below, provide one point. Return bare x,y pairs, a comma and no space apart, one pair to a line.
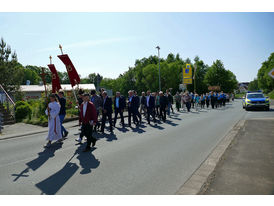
65,87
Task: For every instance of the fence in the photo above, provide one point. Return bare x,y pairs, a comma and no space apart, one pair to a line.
6,102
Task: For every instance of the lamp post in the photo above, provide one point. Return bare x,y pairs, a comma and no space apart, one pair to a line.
159,68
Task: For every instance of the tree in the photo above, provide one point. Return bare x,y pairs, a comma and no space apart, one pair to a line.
217,75
266,82
95,79
201,70
11,71
253,85
31,75
170,58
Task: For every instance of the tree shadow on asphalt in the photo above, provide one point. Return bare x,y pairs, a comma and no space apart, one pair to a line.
43,156
55,182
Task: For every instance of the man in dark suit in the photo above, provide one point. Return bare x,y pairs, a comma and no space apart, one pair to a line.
137,100
150,105
163,106
88,118
106,111
119,106
132,105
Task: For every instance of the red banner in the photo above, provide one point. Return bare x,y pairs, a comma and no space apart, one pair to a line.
55,79
72,73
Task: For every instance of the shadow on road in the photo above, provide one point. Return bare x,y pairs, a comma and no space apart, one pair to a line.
40,160
55,182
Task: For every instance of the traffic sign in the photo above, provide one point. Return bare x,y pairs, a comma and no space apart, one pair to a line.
187,71
187,80
271,73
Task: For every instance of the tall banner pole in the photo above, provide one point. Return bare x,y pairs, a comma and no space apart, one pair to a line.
60,46
46,93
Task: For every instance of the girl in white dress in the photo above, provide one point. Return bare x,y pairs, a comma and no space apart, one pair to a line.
53,121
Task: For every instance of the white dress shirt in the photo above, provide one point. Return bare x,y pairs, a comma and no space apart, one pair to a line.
148,100
85,108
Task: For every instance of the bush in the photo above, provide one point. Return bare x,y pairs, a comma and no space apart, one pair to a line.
271,95
20,103
72,112
22,111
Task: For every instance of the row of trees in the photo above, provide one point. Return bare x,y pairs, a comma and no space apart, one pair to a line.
144,75
141,77
263,80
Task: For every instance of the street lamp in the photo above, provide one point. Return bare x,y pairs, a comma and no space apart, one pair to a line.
159,68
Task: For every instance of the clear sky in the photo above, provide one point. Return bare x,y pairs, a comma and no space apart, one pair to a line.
108,43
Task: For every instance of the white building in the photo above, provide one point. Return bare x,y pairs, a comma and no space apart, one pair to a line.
35,91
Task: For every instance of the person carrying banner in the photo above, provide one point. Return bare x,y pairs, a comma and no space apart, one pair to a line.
62,113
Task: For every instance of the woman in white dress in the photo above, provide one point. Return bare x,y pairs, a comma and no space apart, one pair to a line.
53,121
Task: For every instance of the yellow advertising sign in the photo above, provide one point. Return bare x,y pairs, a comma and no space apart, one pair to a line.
187,80
187,71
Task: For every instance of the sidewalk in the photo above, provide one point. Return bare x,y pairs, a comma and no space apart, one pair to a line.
248,164
22,129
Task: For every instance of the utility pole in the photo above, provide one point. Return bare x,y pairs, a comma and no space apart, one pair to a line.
195,67
159,68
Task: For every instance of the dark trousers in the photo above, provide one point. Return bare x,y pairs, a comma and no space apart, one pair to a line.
203,104
116,112
138,114
207,103
86,130
132,113
188,105
178,106
104,118
212,104
192,102
157,108
224,100
171,107
97,126
150,112
220,102
163,113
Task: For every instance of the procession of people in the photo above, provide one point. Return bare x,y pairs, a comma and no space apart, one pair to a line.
96,109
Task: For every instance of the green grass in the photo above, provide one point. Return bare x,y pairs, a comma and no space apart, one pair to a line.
271,95
240,95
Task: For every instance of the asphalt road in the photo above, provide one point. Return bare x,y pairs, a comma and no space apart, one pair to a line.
155,159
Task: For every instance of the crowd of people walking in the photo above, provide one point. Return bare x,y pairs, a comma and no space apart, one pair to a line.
97,109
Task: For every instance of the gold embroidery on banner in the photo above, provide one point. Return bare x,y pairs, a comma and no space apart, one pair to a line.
69,68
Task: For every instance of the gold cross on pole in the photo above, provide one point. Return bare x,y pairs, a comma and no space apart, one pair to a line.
61,48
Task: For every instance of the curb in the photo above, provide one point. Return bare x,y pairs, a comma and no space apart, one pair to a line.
195,184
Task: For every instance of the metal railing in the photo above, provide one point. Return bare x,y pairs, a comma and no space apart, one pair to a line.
7,102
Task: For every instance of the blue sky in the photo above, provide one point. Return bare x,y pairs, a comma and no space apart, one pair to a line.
108,43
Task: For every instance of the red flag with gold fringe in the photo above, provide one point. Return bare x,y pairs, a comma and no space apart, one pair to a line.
72,73
55,78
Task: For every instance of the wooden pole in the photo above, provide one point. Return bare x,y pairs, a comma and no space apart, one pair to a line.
46,93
